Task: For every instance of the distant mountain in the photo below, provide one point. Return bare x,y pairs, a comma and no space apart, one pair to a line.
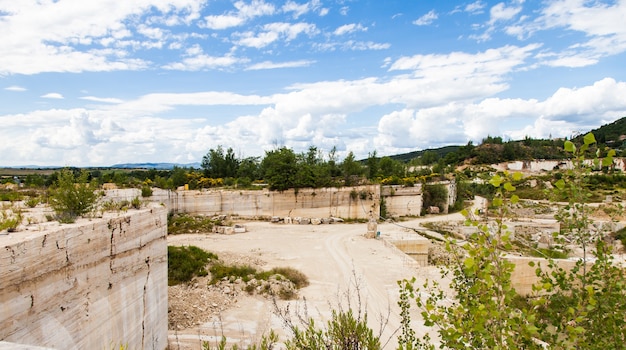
158,166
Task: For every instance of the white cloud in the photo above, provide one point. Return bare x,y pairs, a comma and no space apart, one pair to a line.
275,65
475,7
223,21
349,28
48,36
426,19
603,24
102,99
273,32
298,10
244,13
318,114
500,12
195,59
491,65
53,95
15,88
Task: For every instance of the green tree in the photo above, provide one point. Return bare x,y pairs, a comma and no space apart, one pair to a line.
249,168
279,168
390,167
217,164
351,169
372,165
72,197
429,157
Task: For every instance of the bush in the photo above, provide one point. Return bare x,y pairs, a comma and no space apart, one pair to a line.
73,197
185,263
146,191
219,271
10,220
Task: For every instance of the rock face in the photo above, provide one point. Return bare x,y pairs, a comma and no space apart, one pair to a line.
95,284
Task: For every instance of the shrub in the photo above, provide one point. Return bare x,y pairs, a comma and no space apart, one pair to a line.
185,263
72,197
10,220
135,203
219,271
32,202
146,191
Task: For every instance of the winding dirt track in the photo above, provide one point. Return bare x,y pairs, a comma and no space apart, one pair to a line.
344,269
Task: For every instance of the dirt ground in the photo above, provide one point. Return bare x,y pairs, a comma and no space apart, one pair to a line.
340,263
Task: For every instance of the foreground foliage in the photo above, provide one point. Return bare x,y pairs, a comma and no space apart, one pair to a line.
581,308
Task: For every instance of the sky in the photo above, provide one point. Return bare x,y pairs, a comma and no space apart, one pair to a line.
103,82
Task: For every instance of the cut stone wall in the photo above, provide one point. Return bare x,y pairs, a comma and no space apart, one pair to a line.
403,201
93,284
346,202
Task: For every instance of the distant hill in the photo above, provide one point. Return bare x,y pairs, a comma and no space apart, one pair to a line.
612,135
441,152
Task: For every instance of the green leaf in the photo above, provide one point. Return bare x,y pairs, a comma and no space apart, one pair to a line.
589,139
514,199
608,160
560,184
509,187
469,263
569,147
497,202
495,181
517,176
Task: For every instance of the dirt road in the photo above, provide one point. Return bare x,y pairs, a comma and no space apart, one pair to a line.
341,264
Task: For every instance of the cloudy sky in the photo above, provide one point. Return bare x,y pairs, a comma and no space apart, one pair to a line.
100,82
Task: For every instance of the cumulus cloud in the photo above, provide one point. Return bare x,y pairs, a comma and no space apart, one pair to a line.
309,114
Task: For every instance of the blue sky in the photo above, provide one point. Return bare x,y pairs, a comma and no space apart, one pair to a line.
100,82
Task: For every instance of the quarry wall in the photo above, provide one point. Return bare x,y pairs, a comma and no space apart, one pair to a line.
345,202
94,284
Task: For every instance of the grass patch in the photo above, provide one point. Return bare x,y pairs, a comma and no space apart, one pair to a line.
185,263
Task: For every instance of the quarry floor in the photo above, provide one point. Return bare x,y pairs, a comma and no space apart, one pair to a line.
340,263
